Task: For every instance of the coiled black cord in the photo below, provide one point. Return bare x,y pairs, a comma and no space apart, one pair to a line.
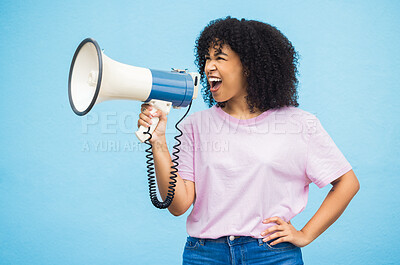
174,170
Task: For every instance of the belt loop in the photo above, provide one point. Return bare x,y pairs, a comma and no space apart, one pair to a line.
201,241
260,242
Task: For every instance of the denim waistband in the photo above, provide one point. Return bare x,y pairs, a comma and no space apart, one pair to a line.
228,240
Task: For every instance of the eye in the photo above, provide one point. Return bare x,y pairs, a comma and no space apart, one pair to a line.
220,58
207,57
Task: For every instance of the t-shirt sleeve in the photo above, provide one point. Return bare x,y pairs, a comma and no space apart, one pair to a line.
186,154
325,162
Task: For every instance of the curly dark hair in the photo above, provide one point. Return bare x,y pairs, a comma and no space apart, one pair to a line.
268,57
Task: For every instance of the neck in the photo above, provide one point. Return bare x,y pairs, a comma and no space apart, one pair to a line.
240,109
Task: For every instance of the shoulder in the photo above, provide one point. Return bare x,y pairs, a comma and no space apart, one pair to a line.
204,113
296,115
294,112
198,118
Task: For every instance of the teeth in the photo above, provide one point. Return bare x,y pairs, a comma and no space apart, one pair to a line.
214,79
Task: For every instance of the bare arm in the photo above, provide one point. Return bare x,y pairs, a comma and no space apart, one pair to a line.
342,192
184,190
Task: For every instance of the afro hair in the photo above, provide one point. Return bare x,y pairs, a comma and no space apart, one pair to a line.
268,57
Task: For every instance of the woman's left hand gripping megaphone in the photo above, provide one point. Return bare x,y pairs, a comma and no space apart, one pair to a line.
143,133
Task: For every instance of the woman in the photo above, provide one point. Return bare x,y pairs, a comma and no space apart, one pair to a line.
247,161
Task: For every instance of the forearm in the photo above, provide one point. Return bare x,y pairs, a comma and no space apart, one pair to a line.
333,206
162,164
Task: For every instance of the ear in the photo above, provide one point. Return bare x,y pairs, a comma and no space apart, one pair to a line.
246,72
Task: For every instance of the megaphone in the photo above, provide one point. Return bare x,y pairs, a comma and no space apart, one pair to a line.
94,78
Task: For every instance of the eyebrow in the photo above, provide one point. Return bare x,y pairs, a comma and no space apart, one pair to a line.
220,53
217,53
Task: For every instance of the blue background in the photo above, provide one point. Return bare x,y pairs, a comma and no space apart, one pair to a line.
73,190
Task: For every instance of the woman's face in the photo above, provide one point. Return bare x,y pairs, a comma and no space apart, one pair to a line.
224,72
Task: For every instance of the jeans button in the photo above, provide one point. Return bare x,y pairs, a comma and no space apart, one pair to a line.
231,238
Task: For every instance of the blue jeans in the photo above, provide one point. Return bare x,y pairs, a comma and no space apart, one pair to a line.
242,250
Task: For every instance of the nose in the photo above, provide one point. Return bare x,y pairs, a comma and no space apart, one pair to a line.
210,67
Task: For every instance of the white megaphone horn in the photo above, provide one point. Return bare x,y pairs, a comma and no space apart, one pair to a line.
94,78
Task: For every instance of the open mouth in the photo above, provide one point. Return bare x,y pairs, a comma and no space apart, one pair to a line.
215,83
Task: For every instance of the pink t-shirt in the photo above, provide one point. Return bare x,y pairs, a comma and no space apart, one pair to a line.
248,170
